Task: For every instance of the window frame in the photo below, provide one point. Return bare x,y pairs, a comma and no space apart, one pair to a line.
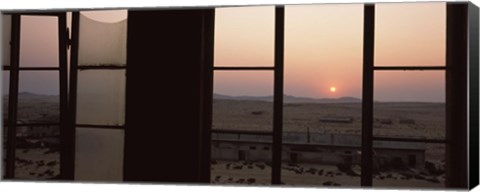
460,23
14,70
73,90
367,92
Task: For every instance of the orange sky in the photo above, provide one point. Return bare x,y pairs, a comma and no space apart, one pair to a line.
323,48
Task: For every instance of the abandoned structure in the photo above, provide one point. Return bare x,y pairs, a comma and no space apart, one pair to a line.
328,149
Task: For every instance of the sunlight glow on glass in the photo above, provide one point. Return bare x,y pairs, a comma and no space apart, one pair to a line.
333,89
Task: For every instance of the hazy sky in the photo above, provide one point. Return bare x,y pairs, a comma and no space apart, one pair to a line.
323,49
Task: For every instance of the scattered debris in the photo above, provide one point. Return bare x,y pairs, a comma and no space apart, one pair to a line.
251,180
257,112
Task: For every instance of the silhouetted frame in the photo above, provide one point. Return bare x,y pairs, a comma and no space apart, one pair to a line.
278,95
367,94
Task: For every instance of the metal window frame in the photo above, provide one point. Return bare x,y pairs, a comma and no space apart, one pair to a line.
367,94
228,68
277,69
278,95
74,69
14,70
101,67
68,129
409,68
5,68
455,74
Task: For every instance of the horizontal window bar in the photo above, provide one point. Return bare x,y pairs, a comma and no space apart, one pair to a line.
39,68
33,68
100,126
419,140
38,13
35,13
242,132
409,68
101,67
243,68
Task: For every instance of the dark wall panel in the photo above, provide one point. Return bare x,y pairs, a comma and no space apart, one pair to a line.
456,96
166,64
473,90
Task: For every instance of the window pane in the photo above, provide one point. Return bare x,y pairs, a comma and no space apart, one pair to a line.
410,104
6,30
409,165
243,100
244,36
38,97
99,154
410,34
102,43
101,97
37,152
323,87
106,16
39,41
241,158
5,92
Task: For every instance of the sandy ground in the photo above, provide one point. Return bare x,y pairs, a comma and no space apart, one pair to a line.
305,175
37,164
426,120
429,122
429,118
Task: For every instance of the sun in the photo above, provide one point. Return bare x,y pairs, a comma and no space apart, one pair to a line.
333,89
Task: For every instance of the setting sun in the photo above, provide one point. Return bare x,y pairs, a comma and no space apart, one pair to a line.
333,89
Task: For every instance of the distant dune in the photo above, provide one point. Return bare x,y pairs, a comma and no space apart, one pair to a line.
289,99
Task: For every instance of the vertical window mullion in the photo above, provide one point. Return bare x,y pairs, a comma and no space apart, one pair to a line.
13,96
278,94
367,95
72,99
65,150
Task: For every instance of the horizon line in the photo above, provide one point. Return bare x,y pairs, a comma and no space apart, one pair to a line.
304,97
